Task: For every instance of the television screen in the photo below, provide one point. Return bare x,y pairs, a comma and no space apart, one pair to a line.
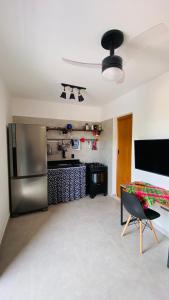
152,156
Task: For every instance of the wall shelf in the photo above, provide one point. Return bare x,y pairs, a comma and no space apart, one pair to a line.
58,139
73,129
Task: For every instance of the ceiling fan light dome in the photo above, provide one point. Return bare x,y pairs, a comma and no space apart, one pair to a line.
113,73
112,68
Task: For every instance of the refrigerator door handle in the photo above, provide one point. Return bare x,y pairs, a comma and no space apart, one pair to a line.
14,161
12,153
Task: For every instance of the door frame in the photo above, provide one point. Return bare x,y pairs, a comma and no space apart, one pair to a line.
121,118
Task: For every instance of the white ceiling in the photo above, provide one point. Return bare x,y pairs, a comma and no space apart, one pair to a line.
36,34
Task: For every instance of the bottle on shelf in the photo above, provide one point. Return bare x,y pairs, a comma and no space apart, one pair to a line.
86,126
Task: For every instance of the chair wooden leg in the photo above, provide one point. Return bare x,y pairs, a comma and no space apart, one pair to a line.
125,227
138,224
153,229
141,237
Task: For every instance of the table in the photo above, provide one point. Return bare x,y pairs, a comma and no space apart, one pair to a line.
157,196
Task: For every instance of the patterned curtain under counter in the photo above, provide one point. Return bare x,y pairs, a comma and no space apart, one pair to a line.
66,184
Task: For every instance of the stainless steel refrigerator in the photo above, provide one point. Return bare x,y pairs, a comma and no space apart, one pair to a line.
27,168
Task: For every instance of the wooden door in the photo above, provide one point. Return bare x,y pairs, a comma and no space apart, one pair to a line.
124,128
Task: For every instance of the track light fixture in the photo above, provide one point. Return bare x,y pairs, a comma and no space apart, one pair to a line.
72,95
80,97
63,95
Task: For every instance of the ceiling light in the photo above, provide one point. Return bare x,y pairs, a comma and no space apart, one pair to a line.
112,68
112,65
80,97
72,96
63,95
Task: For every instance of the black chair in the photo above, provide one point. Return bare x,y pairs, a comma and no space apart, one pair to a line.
133,205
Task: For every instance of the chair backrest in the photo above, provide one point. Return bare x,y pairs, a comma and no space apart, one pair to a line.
132,205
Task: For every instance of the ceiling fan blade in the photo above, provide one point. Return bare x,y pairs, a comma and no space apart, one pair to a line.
81,64
149,38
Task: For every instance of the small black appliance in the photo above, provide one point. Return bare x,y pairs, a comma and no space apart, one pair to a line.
96,179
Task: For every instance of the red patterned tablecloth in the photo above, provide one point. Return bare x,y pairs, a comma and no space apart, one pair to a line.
147,193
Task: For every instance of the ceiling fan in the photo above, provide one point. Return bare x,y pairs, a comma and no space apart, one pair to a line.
112,65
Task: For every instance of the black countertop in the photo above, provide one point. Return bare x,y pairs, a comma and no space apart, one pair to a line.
64,163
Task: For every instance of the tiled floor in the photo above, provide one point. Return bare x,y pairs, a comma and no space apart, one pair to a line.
74,251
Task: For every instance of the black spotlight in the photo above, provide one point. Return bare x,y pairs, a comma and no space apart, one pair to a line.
80,97
72,96
63,95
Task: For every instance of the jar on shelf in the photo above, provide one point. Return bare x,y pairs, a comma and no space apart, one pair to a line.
86,126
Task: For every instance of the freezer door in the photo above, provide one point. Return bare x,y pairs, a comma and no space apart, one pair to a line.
28,194
31,153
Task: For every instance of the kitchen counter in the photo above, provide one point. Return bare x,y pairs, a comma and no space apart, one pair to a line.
64,163
66,183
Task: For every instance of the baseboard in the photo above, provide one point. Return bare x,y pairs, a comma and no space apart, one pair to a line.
114,196
161,229
3,228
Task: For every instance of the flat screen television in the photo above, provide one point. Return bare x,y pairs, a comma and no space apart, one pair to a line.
152,156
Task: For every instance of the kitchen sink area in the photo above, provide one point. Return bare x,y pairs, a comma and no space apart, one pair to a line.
66,181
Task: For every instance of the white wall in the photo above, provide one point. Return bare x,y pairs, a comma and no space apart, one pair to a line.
149,104
106,150
46,109
4,196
